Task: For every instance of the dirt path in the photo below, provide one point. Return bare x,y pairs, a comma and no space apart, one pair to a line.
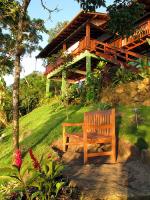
101,180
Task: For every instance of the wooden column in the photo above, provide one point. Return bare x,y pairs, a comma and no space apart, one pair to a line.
64,47
88,35
88,66
48,87
88,82
64,84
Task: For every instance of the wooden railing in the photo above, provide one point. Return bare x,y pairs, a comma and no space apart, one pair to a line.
141,31
80,48
83,45
107,51
114,54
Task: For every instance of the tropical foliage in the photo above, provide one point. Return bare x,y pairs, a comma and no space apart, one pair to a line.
43,181
123,15
54,31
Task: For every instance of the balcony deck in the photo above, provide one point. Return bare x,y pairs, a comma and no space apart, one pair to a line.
138,38
118,52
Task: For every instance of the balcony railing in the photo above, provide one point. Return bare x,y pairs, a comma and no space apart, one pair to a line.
112,52
141,31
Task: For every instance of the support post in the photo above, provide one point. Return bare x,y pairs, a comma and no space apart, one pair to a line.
88,78
64,84
88,36
88,66
48,87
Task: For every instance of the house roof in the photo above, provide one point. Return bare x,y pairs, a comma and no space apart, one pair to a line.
79,21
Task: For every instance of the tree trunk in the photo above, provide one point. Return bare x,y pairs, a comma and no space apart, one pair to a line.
17,69
16,103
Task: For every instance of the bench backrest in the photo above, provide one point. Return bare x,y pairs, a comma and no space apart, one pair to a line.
100,122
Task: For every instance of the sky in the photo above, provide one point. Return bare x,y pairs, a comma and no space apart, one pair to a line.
67,10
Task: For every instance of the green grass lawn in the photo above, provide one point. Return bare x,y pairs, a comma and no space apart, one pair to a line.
42,126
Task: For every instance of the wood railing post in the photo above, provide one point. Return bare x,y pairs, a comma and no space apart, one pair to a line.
64,47
126,56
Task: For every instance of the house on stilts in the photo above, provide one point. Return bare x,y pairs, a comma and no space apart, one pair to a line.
88,41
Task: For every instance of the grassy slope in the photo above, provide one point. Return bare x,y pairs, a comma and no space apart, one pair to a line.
42,126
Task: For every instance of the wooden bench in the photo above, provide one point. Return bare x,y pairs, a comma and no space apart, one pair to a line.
98,128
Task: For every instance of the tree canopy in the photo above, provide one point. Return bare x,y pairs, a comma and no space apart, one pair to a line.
123,13
54,31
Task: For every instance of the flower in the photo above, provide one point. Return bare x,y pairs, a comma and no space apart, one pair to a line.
36,164
49,156
18,159
56,159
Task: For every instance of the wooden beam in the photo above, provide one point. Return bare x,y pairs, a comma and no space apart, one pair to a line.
60,80
79,71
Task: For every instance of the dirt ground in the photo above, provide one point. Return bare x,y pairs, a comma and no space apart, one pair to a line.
101,180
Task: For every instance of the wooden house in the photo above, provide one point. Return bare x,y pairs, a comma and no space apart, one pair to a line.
88,40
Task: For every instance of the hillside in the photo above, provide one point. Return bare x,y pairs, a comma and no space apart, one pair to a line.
42,126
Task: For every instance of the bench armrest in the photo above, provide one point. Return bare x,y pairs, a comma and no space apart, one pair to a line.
72,124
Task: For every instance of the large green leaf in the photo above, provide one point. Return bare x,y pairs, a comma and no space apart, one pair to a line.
148,40
59,185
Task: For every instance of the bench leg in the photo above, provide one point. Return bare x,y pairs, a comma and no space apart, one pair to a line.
113,156
85,151
65,143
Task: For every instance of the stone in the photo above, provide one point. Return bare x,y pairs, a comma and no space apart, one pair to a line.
142,86
133,85
136,98
146,81
104,99
133,93
106,147
119,90
73,184
94,148
146,102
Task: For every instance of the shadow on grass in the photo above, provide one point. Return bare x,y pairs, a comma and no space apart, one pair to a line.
43,131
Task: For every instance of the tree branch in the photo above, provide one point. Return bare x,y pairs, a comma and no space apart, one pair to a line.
49,10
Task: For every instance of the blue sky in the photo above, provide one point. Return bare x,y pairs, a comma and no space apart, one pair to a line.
68,9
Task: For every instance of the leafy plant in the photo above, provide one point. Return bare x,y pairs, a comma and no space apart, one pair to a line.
86,91
123,15
94,83
123,75
49,181
143,67
43,181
